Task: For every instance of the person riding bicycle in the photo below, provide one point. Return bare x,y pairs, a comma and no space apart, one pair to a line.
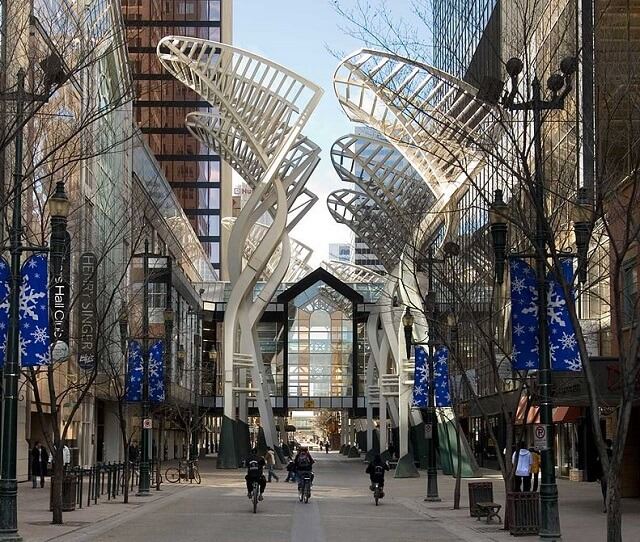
255,466
376,470
302,464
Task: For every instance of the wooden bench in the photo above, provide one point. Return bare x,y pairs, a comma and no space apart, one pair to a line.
489,510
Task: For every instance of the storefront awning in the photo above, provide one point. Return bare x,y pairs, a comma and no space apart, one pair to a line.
561,414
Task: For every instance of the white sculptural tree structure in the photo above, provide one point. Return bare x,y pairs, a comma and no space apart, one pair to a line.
259,109
439,125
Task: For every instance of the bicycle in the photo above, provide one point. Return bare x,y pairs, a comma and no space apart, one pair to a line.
378,493
254,495
305,487
184,471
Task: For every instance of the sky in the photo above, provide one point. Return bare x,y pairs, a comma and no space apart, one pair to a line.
296,33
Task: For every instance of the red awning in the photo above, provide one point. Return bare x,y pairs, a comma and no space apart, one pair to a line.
561,414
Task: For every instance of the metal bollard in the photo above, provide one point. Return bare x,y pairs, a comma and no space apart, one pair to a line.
96,484
81,482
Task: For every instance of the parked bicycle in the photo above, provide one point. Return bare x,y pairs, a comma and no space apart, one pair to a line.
186,470
305,487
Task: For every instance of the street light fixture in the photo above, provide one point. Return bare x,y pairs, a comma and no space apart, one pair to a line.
407,323
582,215
560,85
498,213
123,324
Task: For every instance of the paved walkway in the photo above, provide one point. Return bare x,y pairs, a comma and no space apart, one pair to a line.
341,509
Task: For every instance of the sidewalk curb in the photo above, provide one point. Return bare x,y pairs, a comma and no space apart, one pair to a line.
89,532
463,533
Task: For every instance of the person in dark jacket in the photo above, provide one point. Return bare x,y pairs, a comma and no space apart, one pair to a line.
39,460
255,471
376,470
303,463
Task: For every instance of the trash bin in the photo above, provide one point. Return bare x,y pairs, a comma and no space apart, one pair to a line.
479,492
523,513
69,484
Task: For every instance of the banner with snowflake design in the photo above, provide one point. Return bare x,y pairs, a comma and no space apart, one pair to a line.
35,343
524,316
156,372
563,345
5,290
420,378
134,372
441,377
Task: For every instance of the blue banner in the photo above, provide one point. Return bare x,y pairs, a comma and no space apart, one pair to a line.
524,316
563,345
420,378
134,372
35,343
156,373
441,377
5,290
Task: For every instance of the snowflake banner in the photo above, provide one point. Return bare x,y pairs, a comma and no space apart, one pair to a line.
420,379
35,343
134,372
156,373
563,345
441,377
524,316
5,290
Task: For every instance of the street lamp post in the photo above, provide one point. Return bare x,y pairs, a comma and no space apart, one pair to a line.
144,482
559,85
8,481
449,249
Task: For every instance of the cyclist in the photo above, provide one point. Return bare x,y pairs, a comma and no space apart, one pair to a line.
302,463
255,466
376,470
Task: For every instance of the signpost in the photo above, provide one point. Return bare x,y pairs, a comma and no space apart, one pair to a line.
540,437
428,431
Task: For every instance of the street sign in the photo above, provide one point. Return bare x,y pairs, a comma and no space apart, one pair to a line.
428,431
147,423
540,437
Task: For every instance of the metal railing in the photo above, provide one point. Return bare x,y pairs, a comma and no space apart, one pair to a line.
106,480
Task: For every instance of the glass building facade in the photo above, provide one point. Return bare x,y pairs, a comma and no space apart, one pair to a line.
161,104
466,38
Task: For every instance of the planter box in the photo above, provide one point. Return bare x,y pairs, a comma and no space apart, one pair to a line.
523,512
576,475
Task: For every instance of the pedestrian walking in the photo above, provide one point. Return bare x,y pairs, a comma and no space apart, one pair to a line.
522,460
270,460
291,471
535,468
326,447
39,460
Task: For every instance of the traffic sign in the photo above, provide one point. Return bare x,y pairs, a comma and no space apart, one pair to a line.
540,437
428,431
147,423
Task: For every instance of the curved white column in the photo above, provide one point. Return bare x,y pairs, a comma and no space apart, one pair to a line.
261,108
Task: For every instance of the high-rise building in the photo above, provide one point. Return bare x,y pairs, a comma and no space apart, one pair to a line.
341,252
199,178
466,38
